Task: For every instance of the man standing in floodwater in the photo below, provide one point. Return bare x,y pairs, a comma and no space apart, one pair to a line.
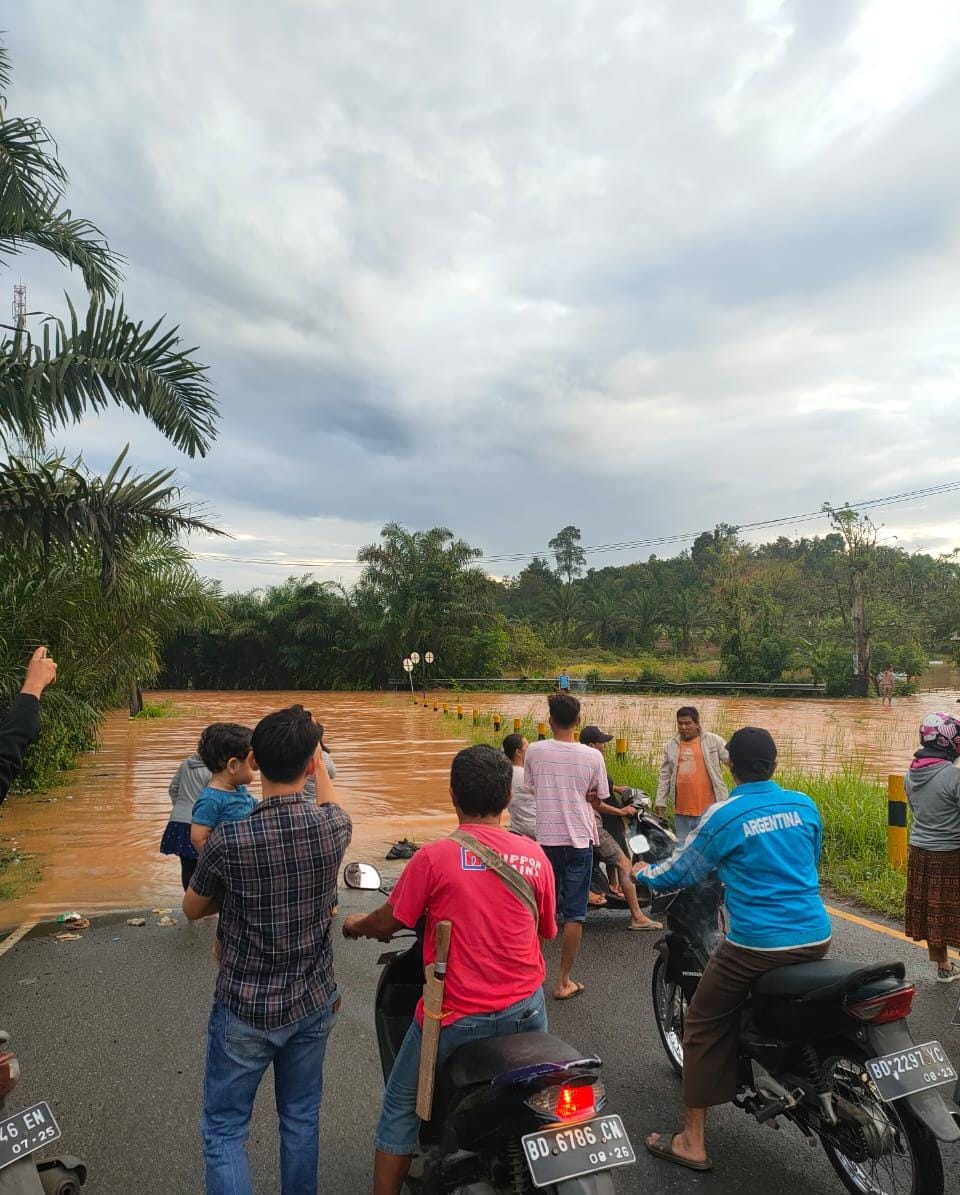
691,774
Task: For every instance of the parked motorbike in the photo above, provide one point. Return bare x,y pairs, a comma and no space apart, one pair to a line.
27,1131
510,1113
823,1045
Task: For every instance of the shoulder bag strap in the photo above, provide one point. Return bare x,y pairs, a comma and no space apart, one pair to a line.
518,884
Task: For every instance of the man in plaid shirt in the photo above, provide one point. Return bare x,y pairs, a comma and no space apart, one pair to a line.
273,879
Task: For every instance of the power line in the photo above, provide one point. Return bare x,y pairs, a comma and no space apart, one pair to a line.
623,545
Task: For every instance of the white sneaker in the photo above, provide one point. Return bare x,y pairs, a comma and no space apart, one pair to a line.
948,974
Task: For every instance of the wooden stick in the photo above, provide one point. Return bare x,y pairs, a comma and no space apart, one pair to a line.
432,1021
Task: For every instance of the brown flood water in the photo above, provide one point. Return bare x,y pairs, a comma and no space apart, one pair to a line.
97,835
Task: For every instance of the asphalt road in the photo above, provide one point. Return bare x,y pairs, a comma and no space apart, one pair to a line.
111,1030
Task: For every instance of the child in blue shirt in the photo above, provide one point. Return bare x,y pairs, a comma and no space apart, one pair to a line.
225,748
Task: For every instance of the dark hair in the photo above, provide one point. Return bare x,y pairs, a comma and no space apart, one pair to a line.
283,743
223,741
564,709
689,711
481,779
511,745
753,754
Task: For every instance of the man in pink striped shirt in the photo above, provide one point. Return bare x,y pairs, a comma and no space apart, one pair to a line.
560,773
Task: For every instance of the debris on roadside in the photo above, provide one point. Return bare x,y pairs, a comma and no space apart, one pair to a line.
138,921
162,912
73,921
167,921
67,937
404,849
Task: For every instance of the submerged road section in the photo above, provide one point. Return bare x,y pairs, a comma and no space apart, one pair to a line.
111,1030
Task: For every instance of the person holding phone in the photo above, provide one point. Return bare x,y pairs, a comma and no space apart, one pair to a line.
21,723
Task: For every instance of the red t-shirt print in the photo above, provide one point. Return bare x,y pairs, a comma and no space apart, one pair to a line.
495,958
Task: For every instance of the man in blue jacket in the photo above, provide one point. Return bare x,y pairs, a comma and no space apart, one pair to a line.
764,843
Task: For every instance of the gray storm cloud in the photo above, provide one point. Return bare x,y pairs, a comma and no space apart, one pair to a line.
504,267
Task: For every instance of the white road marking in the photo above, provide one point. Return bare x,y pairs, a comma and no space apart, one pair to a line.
20,932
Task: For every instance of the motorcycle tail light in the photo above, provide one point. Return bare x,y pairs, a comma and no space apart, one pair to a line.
880,1010
569,1102
9,1073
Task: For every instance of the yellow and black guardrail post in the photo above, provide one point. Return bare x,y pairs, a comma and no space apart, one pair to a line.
497,722
517,725
896,822
541,730
621,749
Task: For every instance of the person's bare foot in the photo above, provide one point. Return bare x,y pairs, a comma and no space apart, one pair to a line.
596,900
679,1145
646,923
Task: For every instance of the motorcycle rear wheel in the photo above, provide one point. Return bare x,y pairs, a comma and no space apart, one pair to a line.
912,1167
670,1013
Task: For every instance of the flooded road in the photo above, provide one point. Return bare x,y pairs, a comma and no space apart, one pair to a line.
97,835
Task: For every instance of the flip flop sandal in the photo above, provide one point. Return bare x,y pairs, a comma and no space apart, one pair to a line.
649,925
581,988
664,1151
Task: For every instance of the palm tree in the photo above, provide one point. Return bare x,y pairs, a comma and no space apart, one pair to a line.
684,618
562,607
102,357
601,617
643,613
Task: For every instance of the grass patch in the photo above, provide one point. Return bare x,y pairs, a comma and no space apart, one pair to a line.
852,803
159,709
18,873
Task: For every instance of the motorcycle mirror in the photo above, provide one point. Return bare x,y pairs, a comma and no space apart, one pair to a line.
639,844
361,875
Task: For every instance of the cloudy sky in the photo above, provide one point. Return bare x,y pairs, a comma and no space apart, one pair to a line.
505,267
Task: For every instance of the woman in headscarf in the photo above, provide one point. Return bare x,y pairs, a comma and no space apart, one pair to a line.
933,869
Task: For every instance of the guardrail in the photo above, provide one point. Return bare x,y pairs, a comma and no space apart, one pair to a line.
528,684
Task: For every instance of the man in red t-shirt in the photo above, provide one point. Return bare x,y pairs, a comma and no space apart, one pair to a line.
495,968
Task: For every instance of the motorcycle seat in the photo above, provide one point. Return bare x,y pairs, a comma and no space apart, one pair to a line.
483,1061
823,980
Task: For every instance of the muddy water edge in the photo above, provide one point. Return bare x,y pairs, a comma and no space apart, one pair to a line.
96,836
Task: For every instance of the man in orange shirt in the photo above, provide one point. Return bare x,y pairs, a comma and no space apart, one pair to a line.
691,774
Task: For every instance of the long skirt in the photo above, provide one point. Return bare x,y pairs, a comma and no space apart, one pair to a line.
933,897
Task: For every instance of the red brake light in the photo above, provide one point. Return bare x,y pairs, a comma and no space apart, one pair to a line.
9,1073
879,1010
574,1102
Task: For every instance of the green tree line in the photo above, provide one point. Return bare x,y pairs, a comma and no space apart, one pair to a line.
798,607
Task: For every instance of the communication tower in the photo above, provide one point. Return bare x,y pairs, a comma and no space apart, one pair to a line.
19,304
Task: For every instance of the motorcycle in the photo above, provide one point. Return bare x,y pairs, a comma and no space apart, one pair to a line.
825,1046
510,1113
641,821
22,1134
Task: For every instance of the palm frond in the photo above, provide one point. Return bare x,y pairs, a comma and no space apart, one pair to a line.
106,358
75,242
31,177
49,504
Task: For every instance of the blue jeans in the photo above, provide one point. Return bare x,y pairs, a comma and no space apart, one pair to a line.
237,1057
399,1129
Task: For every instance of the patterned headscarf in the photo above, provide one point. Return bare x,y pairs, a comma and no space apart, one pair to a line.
941,732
